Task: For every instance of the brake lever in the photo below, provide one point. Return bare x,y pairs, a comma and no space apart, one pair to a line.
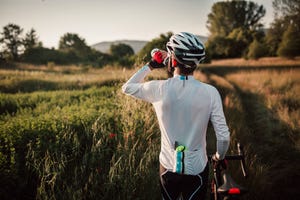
242,161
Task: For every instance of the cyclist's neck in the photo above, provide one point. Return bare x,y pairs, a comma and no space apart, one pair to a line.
177,72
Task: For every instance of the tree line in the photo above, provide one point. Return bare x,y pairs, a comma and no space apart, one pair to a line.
72,49
235,31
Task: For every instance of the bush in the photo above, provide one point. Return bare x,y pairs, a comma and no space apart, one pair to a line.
41,55
257,50
223,47
290,44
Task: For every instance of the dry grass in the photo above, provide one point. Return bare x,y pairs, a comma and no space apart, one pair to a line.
133,152
71,73
280,91
28,78
266,61
65,73
263,112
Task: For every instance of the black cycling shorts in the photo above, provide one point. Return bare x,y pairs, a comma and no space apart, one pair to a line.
174,185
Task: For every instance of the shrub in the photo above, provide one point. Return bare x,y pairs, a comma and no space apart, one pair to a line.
257,50
41,55
290,44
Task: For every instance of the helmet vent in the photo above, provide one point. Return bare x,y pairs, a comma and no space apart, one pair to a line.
176,42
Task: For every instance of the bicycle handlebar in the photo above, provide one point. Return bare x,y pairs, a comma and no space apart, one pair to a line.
240,157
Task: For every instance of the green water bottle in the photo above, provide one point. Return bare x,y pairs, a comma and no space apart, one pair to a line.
180,159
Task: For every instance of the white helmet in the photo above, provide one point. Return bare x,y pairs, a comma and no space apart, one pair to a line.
186,48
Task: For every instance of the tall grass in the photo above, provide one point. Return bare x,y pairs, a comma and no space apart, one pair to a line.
31,78
47,134
239,132
71,134
266,61
270,100
85,144
77,144
279,93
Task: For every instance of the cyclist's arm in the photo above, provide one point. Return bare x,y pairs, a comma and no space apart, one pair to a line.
222,147
219,123
135,86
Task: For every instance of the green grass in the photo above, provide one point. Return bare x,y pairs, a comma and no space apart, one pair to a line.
76,136
92,143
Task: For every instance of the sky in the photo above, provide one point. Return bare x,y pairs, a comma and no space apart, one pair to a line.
109,20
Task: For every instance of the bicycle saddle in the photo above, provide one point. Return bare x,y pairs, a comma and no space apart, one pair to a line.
230,186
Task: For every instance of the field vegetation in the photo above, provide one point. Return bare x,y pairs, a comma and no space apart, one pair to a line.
262,109
67,132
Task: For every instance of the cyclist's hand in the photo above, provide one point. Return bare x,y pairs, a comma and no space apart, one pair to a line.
159,59
219,163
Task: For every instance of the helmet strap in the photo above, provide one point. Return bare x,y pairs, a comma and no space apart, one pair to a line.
171,68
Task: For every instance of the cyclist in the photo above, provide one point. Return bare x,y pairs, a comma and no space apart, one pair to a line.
183,106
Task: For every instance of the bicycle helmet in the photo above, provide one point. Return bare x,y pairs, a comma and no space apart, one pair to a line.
187,49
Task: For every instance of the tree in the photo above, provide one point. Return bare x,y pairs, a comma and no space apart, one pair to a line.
42,55
290,45
274,35
257,50
11,41
286,12
122,54
289,9
233,26
223,47
75,47
71,41
229,15
76,51
31,40
121,50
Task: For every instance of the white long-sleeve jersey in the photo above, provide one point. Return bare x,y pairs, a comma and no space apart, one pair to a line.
183,108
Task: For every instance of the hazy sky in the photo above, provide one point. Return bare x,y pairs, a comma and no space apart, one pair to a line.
107,20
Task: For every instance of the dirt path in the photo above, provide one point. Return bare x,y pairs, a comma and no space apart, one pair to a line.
273,161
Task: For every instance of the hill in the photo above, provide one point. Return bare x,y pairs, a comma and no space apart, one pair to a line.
136,45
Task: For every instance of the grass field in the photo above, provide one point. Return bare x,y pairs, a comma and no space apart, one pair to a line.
262,107
67,132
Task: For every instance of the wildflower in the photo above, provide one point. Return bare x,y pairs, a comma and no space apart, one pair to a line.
112,135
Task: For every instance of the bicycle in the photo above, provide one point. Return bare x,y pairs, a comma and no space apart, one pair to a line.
223,187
